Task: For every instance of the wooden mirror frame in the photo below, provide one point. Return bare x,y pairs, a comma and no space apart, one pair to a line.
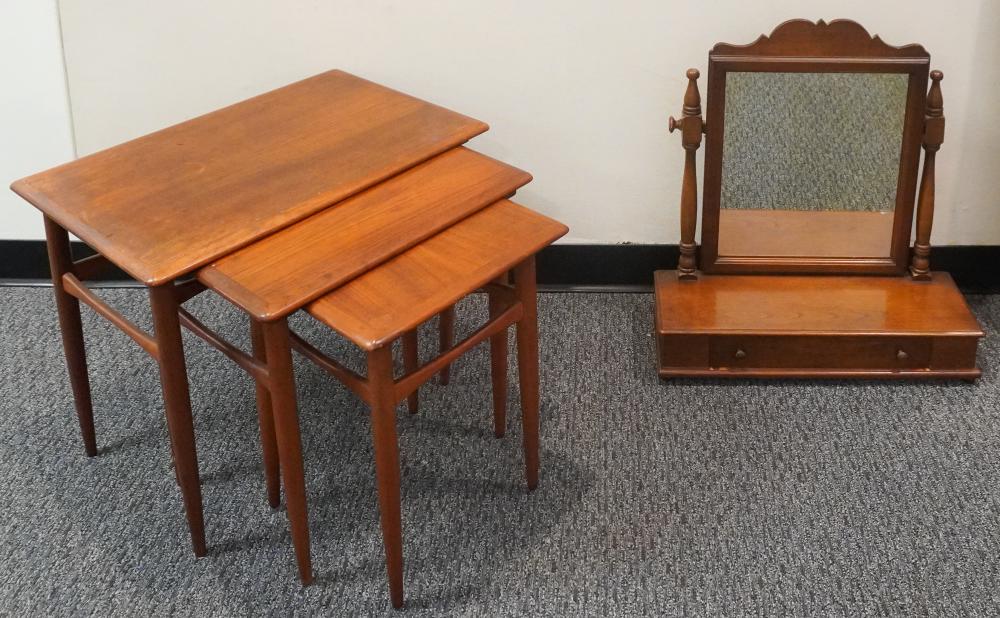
801,46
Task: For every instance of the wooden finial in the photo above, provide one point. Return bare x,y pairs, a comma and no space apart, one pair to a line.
692,127
692,98
920,267
935,102
692,103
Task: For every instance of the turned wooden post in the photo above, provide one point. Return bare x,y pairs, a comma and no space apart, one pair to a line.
920,267
691,126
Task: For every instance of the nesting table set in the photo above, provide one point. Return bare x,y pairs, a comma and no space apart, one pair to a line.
334,195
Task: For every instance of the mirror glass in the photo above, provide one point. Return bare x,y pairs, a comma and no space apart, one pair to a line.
810,163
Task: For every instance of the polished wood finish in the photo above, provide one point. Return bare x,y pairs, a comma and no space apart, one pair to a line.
527,365
386,443
446,338
498,366
167,203
390,301
76,288
177,405
845,234
91,267
815,305
805,39
281,273
164,346
933,138
164,204
71,327
691,126
265,419
412,380
281,382
818,319
802,46
411,360
251,364
439,269
800,326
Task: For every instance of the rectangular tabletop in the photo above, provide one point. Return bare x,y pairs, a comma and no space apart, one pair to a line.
281,273
811,305
164,204
382,304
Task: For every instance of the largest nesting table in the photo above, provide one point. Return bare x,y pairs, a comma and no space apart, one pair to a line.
164,205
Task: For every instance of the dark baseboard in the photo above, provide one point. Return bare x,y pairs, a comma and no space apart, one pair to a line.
27,260
976,269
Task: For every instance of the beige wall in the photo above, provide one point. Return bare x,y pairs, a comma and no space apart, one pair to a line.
576,91
35,131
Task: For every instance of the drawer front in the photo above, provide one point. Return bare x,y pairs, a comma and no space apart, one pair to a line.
819,352
683,351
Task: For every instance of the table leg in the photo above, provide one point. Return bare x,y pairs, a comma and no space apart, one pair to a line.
527,364
177,404
386,443
265,418
286,426
446,338
68,307
411,360
498,371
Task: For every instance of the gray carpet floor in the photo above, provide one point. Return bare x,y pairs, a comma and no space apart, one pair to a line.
656,498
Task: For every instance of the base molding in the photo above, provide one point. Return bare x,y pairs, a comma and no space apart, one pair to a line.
755,326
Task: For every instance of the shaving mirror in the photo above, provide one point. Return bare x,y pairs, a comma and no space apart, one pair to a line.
812,158
813,142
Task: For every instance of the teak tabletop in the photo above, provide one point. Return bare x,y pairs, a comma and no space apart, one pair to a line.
406,291
281,273
164,204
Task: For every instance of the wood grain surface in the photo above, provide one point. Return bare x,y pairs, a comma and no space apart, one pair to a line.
164,204
381,305
802,305
283,272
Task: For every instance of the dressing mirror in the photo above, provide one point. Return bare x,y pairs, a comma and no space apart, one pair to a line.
813,140
811,163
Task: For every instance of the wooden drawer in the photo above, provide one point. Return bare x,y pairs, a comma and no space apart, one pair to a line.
819,352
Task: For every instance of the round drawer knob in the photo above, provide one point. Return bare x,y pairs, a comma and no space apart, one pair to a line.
740,353
901,355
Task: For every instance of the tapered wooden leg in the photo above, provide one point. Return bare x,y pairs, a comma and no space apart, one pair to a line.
68,307
498,371
286,427
446,327
268,443
527,365
411,359
387,466
177,405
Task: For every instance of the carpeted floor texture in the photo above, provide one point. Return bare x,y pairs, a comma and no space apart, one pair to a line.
657,498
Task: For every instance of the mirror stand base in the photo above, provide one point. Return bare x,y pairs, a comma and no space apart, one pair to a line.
747,326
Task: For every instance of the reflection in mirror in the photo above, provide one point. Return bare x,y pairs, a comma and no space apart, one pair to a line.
810,163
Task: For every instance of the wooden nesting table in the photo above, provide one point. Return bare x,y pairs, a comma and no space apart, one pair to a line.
163,205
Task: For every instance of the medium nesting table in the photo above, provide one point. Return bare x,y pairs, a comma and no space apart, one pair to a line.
446,230
163,205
